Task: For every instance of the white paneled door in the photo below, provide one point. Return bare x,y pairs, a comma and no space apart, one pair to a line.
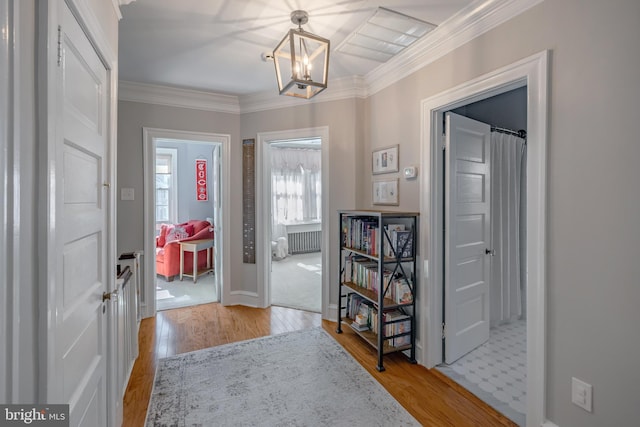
467,235
81,152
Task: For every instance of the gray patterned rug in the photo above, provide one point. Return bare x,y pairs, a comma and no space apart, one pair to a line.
302,378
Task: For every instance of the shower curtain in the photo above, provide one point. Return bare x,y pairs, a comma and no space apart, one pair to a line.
508,227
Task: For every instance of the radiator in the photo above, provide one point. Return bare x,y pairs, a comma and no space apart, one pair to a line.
304,238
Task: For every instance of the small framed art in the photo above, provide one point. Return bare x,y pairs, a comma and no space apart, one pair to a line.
385,192
385,160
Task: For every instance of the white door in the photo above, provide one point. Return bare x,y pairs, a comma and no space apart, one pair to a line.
81,239
467,235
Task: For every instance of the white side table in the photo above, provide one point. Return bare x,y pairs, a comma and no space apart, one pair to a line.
196,246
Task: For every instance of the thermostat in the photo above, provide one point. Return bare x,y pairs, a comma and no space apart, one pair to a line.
410,172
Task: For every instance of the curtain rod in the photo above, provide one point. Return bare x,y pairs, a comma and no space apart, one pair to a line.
519,133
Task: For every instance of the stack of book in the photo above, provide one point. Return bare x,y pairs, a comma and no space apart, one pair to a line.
396,323
401,241
360,311
401,324
400,291
363,272
361,234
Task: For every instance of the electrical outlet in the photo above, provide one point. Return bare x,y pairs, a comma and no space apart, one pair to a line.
581,394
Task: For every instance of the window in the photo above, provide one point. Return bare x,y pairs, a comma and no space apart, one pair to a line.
296,182
166,185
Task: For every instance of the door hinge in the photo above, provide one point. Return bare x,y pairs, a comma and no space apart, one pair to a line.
59,45
444,330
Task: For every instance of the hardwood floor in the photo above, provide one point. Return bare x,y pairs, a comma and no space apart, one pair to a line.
429,396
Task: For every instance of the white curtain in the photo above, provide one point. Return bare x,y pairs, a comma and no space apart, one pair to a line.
508,227
295,187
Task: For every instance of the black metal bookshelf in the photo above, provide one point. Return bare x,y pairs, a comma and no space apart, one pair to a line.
378,270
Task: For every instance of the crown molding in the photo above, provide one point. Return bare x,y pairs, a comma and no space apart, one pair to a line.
176,97
116,7
117,4
472,21
343,88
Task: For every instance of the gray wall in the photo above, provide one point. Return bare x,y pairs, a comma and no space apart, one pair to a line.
188,152
345,141
593,200
132,117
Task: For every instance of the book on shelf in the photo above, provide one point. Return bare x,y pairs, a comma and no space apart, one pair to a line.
401,291
400,323
391,230
361,234
358,327
359,310
404,243
361,319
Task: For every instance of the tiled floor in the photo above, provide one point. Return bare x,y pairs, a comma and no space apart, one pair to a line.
496,371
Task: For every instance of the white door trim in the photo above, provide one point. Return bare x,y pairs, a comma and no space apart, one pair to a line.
48,99
533,73
263,209
223,232
6,197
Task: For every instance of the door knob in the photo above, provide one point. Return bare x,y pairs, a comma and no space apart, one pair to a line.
109,295
490,252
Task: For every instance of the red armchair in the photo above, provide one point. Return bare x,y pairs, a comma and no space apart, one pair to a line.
168,250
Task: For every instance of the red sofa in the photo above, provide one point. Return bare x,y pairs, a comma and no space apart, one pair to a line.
168,249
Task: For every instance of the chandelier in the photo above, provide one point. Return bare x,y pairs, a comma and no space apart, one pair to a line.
301,60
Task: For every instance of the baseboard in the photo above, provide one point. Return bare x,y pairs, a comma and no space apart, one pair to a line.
250,299
331,312
549,424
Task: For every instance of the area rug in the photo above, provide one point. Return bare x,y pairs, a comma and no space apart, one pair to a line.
301,378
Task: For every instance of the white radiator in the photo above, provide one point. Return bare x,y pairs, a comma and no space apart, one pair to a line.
304,238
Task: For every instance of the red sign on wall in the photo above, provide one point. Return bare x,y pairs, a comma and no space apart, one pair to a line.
201,180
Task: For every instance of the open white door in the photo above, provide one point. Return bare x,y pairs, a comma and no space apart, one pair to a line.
467,235
79,324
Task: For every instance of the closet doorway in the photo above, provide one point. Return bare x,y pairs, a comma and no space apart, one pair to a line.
531,74
485,250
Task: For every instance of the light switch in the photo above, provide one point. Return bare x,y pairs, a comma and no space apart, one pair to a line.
126,194
581,394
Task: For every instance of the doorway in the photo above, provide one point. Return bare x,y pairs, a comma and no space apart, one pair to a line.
484,283
296,223
290,243
186,208
530,73
186,197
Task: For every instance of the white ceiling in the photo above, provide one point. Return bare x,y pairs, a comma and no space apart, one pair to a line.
216,45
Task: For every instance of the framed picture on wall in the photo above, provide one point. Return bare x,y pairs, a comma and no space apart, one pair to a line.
385,160
385,192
